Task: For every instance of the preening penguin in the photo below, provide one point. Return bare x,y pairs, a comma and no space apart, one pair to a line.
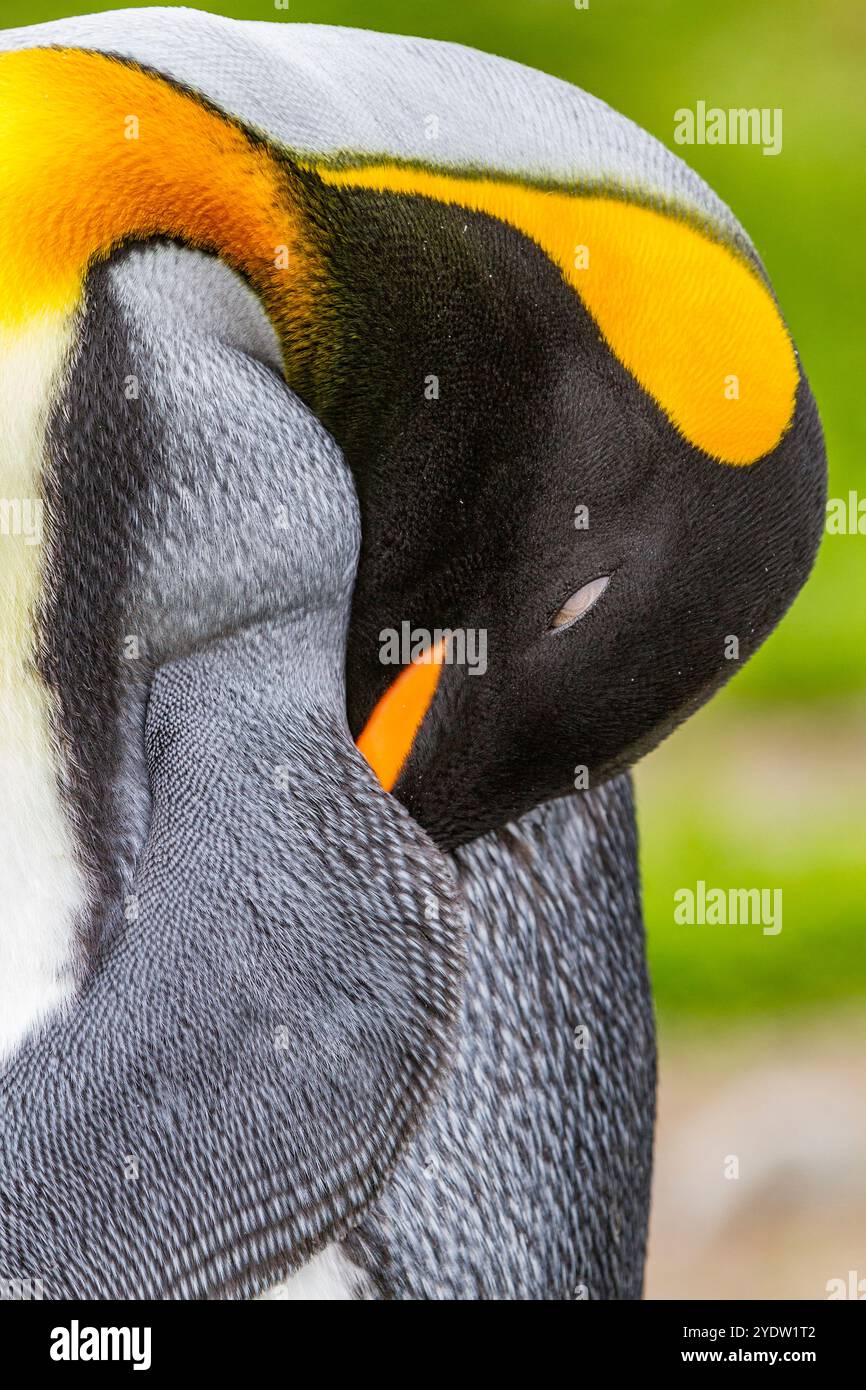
283,383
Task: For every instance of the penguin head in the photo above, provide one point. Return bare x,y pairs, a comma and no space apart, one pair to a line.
581,439
590,493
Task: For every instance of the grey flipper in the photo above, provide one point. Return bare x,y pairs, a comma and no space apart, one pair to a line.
276,992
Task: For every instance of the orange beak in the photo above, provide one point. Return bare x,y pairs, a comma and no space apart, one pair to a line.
387,737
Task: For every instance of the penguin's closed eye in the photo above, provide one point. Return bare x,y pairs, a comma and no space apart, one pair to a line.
579,604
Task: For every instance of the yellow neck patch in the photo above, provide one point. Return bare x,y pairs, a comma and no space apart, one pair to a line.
94,152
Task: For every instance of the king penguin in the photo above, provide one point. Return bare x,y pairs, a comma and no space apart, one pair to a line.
310,336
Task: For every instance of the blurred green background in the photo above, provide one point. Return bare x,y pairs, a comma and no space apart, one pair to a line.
765,788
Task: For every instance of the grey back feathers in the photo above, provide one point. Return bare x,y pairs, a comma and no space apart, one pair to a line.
531,1177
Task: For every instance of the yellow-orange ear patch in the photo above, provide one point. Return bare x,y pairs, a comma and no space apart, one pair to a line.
691,321
94,152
